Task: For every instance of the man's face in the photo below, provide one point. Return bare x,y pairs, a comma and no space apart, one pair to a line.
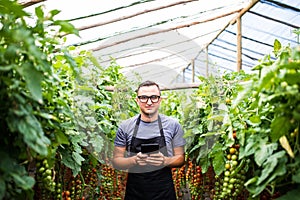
149,107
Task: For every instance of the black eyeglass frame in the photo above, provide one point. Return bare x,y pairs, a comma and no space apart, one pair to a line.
149,97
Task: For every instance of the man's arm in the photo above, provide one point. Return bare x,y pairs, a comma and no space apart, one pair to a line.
120,161
177,160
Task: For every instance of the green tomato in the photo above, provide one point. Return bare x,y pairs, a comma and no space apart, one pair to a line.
45,162
232,180
42,169
235,163
234,157
226,173
284,84
48,172
226,179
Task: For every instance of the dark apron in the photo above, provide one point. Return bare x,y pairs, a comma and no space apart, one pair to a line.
154,184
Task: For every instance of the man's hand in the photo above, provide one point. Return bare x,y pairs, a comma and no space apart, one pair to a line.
156,159
141,159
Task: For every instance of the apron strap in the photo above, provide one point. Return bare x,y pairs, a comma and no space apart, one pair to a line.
136,127
161,130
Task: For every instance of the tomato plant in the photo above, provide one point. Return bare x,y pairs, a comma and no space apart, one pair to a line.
27,80
54,116
271,116
246,127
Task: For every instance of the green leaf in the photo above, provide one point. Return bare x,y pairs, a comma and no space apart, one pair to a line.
277,46
25,182
54,13
269,166
280,169
264,151
280,126
296,176
2,188
257,184
62,138
77,158
39,13
292,194
283,59
97,143
68,161
66,27
267,77
292,79
201,142
253,188
218,160
32,132
204,163
8,7
255,120
33,80
47,116
243,94
252,145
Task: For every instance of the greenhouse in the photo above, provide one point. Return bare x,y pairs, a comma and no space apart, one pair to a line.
227,75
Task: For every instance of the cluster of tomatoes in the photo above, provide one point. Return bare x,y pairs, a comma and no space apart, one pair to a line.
112,183
100,182
230,184
93,182
190,182
104,182
74,190
45,178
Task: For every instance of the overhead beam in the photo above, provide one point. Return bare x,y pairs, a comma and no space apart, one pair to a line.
178,86
243,11
27,3
133,15
163,31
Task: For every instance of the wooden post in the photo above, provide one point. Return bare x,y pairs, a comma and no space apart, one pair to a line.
207,62
193,70
183,75
239,44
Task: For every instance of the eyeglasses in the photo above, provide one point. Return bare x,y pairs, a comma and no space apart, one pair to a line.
144,98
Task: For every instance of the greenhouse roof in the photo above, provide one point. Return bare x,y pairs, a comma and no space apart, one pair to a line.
161,39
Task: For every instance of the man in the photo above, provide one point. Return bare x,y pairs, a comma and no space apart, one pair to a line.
150,175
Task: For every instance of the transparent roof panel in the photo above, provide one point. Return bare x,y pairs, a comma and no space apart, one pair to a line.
161,39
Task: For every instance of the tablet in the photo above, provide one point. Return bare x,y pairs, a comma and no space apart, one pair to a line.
150,148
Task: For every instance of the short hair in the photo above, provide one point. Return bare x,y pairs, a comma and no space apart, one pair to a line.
147,83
